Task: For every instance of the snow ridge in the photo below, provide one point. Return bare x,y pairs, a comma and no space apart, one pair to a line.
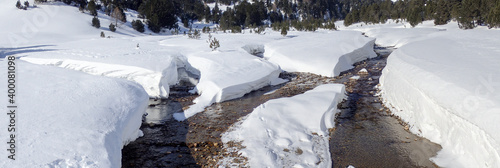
156,84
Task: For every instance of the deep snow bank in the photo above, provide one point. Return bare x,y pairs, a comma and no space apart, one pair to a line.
70,119
447,88
398,33
323,53
153,82
227,75
398,37
151,65
289,132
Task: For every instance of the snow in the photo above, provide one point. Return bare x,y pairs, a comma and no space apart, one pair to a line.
70,119
447,88
323,53
363,71
354,77
152,67
397,34
289,132
228,75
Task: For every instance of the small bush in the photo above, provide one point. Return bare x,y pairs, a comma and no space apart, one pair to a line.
284,32
103,35
18,5
195,35
96,23
112,27
260,29
138,25
213,43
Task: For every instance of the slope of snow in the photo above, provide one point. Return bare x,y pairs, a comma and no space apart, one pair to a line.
289,132
53,22
70,119
323,53
398,34
447,88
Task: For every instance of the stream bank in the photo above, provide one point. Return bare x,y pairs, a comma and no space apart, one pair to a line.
366,133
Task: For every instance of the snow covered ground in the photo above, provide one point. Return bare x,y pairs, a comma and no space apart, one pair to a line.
70,119
397,34
324,53
289,132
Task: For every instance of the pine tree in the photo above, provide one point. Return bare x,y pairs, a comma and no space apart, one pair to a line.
153,24
96,23
26,4
348,19
213,43
442,16
216,13
468,14
284,31
415,12
92,8
112,27
138,25
160,14
494,16
18,4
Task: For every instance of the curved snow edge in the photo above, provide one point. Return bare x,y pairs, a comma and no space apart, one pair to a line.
464,143
156,84
227,93
130,129
346,61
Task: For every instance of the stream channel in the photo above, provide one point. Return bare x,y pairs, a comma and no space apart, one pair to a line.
365,135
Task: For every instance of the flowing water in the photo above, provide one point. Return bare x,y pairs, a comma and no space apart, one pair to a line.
366,135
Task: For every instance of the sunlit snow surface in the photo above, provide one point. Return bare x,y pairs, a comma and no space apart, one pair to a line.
289,132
